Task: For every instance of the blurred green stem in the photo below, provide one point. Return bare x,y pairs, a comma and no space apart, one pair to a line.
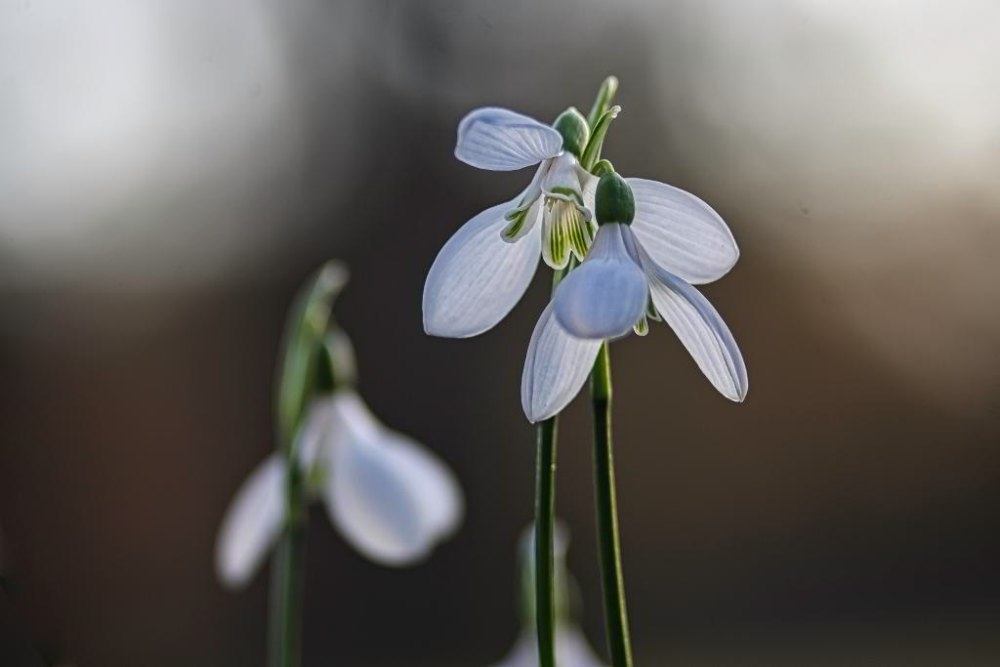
609,549
287,579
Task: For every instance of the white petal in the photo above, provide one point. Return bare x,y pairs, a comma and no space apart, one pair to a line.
478,277
387,495
314,433
439,496
701,330
252,523
605,296
556,367
682,233
502,140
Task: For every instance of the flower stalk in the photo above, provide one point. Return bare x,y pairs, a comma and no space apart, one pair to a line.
609,539
545,519
302,367
288,579
545,507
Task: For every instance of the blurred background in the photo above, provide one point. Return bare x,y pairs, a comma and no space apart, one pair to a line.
171,171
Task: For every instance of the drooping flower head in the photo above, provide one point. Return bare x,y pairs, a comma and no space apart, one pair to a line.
391,498
652,243
485,268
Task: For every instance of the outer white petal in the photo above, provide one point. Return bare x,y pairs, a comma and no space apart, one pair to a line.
252,523
440,503
477,278
682,233
605,296
502,140
701,330
556,367
388,497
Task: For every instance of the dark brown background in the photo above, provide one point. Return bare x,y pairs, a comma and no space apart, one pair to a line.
159,212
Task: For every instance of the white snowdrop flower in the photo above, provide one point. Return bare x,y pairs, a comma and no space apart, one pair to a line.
485,268
649,249
391,498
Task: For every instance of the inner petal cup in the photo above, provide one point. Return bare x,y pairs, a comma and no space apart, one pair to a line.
608,293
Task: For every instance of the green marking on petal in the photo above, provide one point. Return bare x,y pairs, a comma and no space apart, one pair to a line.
651,311
641,327
569,193
567,232
513,231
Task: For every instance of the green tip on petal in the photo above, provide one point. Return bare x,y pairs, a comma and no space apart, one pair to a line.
614,200
574,130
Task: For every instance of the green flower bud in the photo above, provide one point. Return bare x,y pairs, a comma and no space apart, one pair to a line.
574,130
615,202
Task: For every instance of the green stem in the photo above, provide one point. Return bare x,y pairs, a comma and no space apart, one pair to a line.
545,508
287,579
545,519
610,551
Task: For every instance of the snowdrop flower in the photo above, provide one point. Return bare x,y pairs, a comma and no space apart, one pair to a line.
391,498
485,268
651,246
572,647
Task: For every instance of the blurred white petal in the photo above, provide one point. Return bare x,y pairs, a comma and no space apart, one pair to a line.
555,369
315,432
701,330
390,498
605,296
572,650
502,140
477,278
252,523
440,502
682,233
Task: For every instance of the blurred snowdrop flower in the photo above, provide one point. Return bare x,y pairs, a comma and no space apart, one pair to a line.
485,268
650,247
572,647
572,650
391,498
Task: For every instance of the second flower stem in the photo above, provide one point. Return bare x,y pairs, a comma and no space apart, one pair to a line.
610,552
545,506
545,519
287,579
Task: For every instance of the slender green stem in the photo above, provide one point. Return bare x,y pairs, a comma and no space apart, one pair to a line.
610,551
545,509
287,579
545,519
